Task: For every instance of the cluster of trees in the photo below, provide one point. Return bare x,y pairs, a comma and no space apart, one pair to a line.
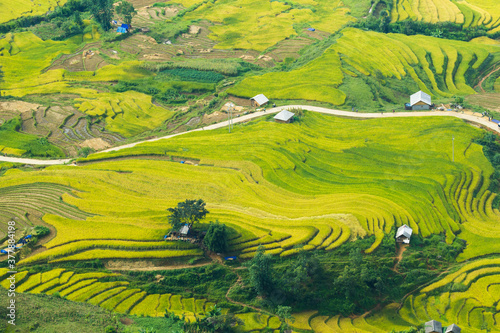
190,212
346,281
101,11
492,152
447,30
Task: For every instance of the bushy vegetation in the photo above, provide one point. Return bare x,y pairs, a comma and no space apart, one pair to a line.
165,30
230,67
14,142
186,74
445,30
345,281
216,238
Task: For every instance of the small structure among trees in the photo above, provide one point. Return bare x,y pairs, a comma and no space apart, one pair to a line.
187,213
284,116
403,234
259,100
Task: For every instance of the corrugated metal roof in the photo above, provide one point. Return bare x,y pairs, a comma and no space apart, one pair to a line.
433,326
453,328
420,97
284,115
404,231
260,99
184,230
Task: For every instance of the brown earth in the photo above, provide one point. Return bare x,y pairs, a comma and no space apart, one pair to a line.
17,106
487,100
95,143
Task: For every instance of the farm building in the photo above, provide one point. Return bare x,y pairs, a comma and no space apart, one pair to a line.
403,234
184,230
284,117
258,100
453,329
419,101
433,326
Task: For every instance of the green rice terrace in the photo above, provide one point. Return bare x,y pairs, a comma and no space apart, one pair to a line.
265,226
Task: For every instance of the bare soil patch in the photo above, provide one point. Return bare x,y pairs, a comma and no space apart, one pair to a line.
95,143
487,100
17,106
289,48
142,265
214,117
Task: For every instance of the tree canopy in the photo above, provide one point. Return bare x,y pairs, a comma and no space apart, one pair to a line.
187,212
102,10
261,272
216,238
127,11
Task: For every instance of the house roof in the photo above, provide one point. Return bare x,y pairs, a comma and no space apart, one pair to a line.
125,26
121,30
260,99
184,230
433,326
453,328
404,231
420,97
284,115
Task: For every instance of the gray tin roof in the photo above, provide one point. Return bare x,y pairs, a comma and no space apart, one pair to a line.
404,231
420,97
284,115
260,99
433,326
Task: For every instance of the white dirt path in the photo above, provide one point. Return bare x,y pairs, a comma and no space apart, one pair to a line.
472,118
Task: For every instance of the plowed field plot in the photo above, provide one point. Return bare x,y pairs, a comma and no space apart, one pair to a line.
489,101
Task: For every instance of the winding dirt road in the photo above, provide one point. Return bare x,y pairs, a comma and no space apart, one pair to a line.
472,118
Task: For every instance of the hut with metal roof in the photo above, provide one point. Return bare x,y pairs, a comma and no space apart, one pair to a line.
420,101
284,116
403,234
259,100
453,329
433,326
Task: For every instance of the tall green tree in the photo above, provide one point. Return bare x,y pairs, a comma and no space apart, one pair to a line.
261,272
284,313
216,238
127,11
187,212
102,10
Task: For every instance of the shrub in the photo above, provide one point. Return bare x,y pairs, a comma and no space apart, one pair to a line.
40,231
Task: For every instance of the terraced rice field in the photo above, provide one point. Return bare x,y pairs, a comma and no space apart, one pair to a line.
12,9
118,296
341,182
265,22
437,66
470,13
126,114
27,203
